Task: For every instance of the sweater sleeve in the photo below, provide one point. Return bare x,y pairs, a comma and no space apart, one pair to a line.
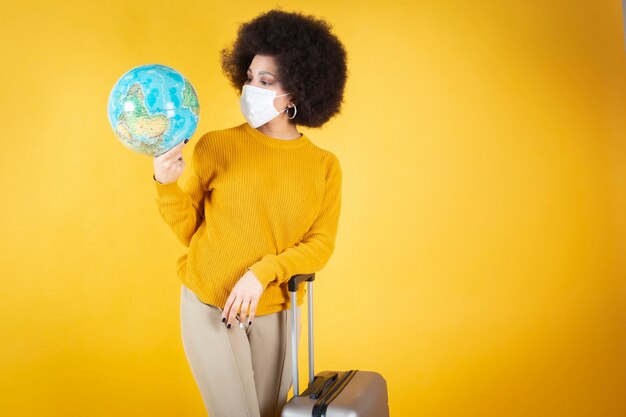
182,208
313,252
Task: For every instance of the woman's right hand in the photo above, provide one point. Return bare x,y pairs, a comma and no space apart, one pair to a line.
168,167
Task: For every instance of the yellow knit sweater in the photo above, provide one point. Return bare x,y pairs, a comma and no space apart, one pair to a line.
253,202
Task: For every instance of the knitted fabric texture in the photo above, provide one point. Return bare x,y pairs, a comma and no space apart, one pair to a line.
253,202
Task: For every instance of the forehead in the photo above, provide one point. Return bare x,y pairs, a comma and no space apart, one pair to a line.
263,63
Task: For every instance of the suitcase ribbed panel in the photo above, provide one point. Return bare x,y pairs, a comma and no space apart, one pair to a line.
364,396
321,406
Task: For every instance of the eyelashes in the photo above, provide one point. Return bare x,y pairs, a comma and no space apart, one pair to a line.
263,82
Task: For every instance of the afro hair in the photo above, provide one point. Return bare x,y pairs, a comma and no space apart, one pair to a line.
311,61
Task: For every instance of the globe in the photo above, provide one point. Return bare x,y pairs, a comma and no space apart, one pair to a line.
152,108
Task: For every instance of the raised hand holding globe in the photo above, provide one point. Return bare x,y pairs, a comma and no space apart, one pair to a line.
153,108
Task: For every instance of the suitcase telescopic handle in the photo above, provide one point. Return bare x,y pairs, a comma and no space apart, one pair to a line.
293,284
295,281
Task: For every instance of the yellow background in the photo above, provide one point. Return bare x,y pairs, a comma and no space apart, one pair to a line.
480,258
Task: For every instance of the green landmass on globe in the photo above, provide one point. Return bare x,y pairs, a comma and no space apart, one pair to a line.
139,122
190,99
151,108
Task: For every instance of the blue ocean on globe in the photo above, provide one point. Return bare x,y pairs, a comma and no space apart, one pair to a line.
152,108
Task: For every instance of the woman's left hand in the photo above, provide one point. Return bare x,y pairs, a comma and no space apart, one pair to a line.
244,295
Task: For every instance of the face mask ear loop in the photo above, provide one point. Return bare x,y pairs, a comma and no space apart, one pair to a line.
295,111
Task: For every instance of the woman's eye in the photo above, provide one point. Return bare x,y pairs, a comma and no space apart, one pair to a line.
265,82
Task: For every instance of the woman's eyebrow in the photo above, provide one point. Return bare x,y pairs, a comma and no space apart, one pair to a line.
262,72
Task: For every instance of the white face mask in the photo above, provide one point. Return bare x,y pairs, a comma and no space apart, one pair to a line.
257,105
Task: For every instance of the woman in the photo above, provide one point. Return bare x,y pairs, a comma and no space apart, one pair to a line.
262,204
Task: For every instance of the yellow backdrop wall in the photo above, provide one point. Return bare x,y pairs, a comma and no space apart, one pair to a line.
480,258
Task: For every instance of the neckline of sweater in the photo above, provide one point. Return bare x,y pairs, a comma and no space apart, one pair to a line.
278,143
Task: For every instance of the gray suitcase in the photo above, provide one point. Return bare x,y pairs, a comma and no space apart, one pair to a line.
351,393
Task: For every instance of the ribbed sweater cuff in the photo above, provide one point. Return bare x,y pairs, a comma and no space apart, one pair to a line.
167,189
264,272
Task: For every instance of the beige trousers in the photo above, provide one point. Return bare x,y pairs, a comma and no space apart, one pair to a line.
241,372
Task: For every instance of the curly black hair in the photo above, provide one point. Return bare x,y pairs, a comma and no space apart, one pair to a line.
311,61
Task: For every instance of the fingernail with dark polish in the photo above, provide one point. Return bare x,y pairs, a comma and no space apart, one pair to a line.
228,326
223,319
249,323
186,140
